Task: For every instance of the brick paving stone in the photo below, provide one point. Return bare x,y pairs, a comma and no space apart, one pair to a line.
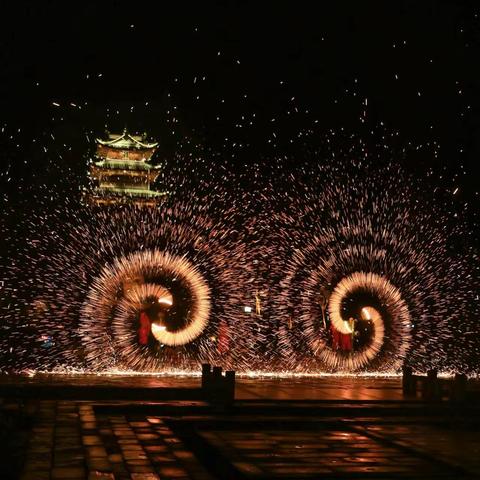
115,458
88,425
94,475
37,475
162,458
148,436
143,476
248,468
296,470
96,451
156,448
172,472
35,466
154,420
90,440
139,424
138,463
100,464
184,455
140,468
79,463
68,473
120,470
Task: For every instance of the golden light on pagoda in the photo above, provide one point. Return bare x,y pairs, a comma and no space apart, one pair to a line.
121,170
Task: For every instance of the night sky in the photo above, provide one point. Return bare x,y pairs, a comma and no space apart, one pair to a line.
241,82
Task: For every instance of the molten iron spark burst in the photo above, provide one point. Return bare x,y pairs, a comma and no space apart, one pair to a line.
248,281
351,241
103,305
99,268
390,298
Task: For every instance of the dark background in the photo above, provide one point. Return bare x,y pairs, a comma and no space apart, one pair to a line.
241,82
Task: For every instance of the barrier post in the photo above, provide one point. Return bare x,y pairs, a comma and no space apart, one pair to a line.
431,390
408,381
230,386
459,390
206,375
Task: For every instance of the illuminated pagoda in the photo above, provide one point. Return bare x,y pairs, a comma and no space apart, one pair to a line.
121,171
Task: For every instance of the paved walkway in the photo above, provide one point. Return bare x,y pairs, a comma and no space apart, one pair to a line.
82,440
368,431
70,442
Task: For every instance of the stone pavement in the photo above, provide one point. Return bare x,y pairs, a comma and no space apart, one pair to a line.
328,451
69,441
373,437
80,440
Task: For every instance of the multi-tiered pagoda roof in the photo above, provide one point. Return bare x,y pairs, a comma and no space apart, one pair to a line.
122,170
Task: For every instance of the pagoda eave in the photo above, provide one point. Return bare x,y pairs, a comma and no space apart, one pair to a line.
105,200
116,197
98,173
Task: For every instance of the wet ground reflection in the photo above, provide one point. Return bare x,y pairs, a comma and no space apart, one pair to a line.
291,388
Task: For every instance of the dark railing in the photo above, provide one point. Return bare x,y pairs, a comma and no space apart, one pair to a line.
218,388
432,387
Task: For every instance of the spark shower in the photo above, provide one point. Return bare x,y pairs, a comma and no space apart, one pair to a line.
326,269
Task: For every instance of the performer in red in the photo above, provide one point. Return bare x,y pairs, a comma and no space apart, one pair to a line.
346,342
336,337
341,341
144,328
223,339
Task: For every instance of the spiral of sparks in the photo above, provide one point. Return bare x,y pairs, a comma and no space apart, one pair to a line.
389,297
355,245
104,263
104,306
